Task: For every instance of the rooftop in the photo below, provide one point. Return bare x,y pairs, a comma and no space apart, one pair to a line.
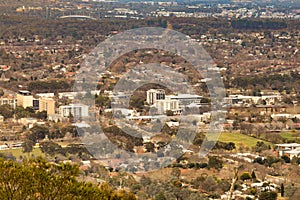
185,96
24,92
288,145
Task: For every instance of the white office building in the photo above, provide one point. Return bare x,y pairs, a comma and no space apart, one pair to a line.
186,99
76,110
155,94
167,104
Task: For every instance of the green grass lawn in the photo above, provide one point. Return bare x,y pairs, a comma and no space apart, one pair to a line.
290,135
239,139
19,152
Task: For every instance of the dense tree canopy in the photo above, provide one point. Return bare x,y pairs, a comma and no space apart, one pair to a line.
37,179
6,111
48,86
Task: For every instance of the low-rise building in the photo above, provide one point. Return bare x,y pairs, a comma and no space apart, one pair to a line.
9,100
265,99
287,149
293,153
29,121
47,95
285,115
186,99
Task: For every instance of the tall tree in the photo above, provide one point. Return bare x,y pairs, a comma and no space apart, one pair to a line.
28,146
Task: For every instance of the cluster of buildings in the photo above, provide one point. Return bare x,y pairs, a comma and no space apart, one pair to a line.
46,102
160,106
239,100
291,150
143,9
262,186
244,12
158,99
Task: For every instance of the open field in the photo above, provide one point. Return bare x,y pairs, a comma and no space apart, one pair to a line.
19,152
290,136
293,109
240,139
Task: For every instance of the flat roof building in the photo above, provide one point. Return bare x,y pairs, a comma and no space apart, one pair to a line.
186,99
283,149
47,104
155,94
9,100
75,110
164,105
24,99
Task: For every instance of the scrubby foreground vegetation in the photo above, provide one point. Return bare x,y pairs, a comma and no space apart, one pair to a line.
38,179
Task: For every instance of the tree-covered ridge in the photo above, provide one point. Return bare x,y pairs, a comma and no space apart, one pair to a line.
259,24
38,179
276,82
